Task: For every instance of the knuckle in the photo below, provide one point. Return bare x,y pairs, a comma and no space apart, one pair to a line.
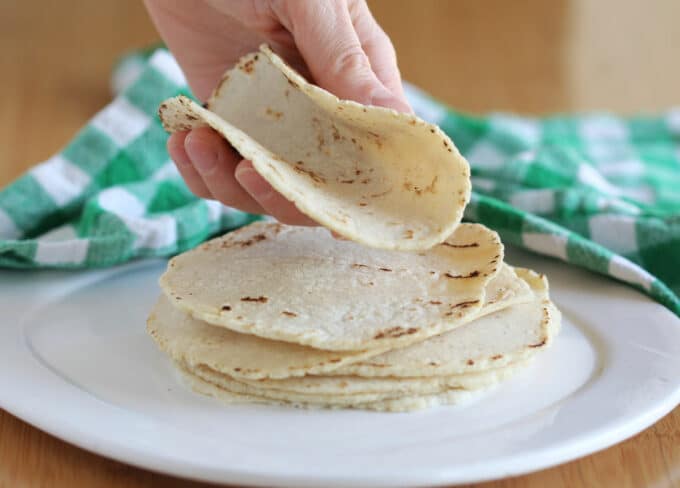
351,61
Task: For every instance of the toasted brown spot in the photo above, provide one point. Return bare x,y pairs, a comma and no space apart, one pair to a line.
465,304
239,317
362,204
289,314
497,356
247,242
461,246
385,269
274,113
470,362
226,308
539,344
472,274
335,360
432,130
292,83
237,369
315,177
435,302
346,181
395,332
381,194
286,92
357,172
412,122
359,265
178,298
336,133
365,181
259,299
408,234
433,272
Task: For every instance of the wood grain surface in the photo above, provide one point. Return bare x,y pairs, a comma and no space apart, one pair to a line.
530,56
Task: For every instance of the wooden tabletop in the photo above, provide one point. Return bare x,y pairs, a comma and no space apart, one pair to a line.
528,56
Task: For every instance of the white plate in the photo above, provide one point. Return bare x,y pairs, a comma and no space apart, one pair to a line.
75,361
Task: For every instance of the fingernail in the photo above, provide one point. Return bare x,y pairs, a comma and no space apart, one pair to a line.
253,183
202,157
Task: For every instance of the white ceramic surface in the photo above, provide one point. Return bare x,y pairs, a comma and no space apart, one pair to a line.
75,361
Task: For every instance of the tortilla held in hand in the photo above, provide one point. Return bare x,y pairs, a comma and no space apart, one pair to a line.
384,179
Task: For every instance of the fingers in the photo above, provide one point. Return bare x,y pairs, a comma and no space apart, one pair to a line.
213,170
380,51
268,198
179,155
326,37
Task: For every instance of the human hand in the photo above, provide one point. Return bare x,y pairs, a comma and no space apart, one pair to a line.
335,43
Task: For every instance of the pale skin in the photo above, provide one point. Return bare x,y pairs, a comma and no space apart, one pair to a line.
335,43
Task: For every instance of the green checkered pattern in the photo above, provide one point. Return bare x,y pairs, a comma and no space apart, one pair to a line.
596,190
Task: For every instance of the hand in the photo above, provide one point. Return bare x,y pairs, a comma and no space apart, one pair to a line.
335,43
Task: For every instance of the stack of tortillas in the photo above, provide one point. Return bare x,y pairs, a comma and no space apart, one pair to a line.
414,309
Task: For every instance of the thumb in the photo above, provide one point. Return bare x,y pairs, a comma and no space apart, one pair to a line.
325,36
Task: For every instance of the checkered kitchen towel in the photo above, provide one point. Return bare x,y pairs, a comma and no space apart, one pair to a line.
596,190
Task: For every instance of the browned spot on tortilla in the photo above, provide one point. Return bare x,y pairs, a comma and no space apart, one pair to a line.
497,356
340,107
286,92
259,299
346,181
370,283
471,274
433,272
435,302
274,113
385,269
381,194
240,317
412,122
315,177
466,304
237,369
461,246
178,298
336,133
395,332
432,130
432,363
246,243
247,67
289,314
408,234
335,360
191,117
365,181
359,265
539,344
362,204
226,308
470,362
292,83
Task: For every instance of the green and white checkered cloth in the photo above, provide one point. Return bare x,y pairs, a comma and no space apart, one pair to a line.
596,190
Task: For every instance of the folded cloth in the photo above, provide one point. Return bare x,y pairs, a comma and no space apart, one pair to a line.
596,190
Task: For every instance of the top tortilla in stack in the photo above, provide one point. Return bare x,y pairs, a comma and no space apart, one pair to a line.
375,176
299,284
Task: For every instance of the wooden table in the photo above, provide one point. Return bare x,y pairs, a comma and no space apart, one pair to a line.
528,56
